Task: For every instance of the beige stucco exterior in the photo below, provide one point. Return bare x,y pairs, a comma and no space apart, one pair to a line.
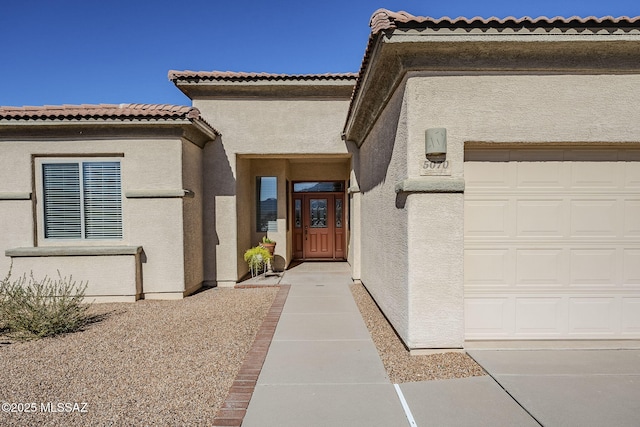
294,137
159,253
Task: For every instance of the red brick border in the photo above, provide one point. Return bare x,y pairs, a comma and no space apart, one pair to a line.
235,405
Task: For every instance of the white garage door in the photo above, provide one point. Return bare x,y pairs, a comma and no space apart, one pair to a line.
552,244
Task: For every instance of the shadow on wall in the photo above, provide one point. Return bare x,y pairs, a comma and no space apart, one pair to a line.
218,180
372,159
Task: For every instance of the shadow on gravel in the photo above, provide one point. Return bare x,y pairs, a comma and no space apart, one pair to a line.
6,339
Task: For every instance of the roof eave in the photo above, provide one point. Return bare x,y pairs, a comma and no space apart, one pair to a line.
212,84
196,130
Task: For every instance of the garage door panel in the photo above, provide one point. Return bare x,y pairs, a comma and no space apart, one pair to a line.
592,316
594,175
540,267
536,316
541,175
631,267
632,218
631,174
593,267
593,218
498,176
487,218
631,315
552,244
540,218
487,267
488,316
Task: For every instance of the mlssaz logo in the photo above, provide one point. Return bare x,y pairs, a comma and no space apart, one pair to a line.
67,407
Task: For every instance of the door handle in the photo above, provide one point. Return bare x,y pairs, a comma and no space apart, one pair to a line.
306,232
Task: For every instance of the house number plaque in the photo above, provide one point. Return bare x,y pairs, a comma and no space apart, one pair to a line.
435,168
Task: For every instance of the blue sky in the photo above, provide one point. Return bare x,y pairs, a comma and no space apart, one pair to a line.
118,51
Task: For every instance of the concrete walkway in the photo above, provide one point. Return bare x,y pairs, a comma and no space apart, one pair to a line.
322,369
570,387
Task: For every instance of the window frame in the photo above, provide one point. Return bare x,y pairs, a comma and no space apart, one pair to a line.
258,202
39,211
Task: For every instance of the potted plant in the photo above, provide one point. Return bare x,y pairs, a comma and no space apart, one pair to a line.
268,244
257,258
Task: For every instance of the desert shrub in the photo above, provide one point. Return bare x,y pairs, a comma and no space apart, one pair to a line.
31,308
257,258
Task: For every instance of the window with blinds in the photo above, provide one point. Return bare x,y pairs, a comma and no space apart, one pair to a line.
82,200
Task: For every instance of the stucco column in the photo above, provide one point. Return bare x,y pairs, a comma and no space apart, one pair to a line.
355,245
435,262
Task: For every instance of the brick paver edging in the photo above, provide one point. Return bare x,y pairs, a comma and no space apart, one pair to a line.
235,405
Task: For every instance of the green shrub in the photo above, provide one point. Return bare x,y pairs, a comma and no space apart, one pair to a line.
31,309
257,258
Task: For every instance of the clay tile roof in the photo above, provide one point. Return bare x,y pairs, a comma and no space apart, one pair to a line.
76,114
383,19
100,111
231,76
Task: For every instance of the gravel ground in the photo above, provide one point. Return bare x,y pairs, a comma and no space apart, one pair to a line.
400,365
148,363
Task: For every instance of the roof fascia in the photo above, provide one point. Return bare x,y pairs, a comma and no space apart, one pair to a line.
266,88
195,131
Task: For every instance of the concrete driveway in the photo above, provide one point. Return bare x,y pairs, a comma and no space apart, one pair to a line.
569,387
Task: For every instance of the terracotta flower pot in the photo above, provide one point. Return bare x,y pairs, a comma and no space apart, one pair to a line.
271,247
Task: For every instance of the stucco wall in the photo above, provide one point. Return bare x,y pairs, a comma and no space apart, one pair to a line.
192,214
287,127
384,258
155,224
108,278
16,228
245,199
533,108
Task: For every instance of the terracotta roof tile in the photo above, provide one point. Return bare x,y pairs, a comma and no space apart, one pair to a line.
175,75
100,111
76,114
383,19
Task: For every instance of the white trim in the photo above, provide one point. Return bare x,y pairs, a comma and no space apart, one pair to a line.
405,406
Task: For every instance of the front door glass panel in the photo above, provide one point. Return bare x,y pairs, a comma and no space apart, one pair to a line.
318,210
298,213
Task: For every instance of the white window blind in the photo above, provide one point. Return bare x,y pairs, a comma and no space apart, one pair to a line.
85,206
62,212
102,200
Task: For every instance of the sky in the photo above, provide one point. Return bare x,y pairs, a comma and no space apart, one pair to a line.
56,52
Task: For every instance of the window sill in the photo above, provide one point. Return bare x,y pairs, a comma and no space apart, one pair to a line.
158,194
43,251
15,196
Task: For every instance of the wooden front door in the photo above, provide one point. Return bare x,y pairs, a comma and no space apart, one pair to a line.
318,226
